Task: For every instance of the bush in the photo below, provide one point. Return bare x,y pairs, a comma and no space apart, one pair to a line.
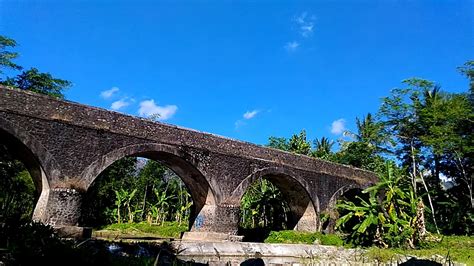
165,230
295,237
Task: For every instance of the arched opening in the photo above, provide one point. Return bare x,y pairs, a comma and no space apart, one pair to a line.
346,193
274,201
23,183
155,185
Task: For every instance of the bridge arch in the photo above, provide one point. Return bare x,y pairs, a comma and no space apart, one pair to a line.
331,211
172,157
304,207
34,156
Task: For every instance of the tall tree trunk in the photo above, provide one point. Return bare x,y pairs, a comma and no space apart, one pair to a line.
144,200
413,167
433,214
465,177
415,170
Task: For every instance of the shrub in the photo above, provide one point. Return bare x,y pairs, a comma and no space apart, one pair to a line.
296,237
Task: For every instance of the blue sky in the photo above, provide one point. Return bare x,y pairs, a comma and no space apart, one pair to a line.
243,69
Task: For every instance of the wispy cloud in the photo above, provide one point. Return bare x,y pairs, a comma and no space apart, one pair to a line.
246,116
305,23
338,126
250,114
239,123
117,105
149,108
292,46
107,94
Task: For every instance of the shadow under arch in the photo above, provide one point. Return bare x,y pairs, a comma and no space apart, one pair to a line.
303,209
26,149
350,190
173,158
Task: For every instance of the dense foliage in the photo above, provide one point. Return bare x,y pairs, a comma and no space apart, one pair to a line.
32,79
262,209
428,132
17,191
135,190
395,219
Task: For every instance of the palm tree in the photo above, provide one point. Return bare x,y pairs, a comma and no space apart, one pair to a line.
322,148
369,131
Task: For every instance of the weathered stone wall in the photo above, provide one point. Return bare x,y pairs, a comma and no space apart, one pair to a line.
64,207
73,143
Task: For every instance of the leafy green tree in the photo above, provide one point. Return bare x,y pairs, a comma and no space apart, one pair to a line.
433,132
297,143
278,143
32,79
38,82
401,113
468,70
6,56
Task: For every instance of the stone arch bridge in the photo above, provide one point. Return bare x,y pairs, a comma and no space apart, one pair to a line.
66,145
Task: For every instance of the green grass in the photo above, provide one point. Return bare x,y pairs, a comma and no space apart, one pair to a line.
295,237
456,248
166,230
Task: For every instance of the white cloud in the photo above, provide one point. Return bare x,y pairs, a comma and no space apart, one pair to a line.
338,126
109,93
250,114
305,24
117,105
292,46
149,108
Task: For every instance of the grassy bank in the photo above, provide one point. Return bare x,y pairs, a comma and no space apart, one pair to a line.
295,237
165,230
452,248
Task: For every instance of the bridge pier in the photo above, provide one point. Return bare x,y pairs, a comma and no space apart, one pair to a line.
62,210
309,220
215,223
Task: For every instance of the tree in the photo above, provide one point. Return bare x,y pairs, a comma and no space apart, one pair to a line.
32,79
468,70
6,57
297,143
323,148
278,143
433,131
38,82
366,147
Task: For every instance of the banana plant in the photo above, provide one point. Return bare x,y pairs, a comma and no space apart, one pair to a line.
120,197
162,202
386,217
